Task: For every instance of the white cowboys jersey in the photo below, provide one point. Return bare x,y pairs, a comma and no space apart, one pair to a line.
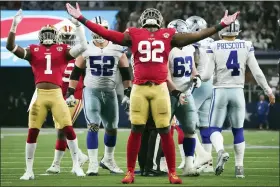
180,65
102,65
228,60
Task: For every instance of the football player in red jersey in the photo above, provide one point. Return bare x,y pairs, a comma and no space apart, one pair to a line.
48,61
150,46
67,35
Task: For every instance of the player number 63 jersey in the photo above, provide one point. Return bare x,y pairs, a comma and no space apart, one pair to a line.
101,65
180,65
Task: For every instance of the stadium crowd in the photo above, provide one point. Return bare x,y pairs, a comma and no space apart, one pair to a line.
258,19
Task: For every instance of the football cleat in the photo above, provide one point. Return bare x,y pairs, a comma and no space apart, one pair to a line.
191,172
208,168
92,169
202,160
110,164
28,176
163,165
174,179
129,178
78,171
54,169
83,158
182,165
239,172
222,159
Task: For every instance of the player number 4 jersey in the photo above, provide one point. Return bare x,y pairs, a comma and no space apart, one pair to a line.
150,51
101,65
48,63
230,59
180,65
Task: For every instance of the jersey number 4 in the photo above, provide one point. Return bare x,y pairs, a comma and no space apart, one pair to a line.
104,69
145,48
182,66
232,63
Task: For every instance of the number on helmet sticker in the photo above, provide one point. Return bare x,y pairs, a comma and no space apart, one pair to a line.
145,48
232,63
48,68
182,66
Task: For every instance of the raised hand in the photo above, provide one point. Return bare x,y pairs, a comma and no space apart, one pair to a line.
228,19
17,18
74,12
271,98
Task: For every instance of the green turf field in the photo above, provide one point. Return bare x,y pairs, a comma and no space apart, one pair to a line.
261,162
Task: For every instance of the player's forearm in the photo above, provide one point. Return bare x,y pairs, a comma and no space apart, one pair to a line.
194,70
73,84
11,41
75,76
114,36
82,46
126,83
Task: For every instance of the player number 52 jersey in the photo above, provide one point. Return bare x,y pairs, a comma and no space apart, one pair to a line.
180,65
101,65
230,59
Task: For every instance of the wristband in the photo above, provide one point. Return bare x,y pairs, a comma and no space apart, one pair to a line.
14,50
176,93
219,27
70,91
82,19
127,91
198,76
13,28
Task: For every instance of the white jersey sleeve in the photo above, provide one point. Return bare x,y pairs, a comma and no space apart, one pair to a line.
230,59
256,70
102,65
180,65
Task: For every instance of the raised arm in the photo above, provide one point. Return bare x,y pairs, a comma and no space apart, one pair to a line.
183,39
11,46
114,36
79,48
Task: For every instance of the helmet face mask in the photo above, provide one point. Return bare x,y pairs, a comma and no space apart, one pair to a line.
180,25
67,35
232,30
151,17
99,20
48,35
196,23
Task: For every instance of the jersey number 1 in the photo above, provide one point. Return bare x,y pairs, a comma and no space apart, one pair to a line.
232,63
48,68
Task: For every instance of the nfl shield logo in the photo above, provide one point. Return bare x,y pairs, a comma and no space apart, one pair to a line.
36,49
59,48
165,35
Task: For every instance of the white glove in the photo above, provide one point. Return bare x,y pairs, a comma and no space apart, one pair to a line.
74,12
126,102
17,19
71,101
197,81
227,20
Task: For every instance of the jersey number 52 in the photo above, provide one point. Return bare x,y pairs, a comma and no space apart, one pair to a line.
232,63
104,68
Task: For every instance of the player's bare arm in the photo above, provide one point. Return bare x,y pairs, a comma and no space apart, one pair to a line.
183,39
260,78
114,36
11,46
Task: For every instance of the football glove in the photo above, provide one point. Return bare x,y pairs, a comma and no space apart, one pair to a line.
71,101
228,19
180,96
74,12
197,81
16,20
126,100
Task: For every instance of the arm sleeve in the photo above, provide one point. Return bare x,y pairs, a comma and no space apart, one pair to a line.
82,46
257,73
209,65
114,36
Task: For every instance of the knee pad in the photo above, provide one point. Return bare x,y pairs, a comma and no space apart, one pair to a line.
93,127
60,134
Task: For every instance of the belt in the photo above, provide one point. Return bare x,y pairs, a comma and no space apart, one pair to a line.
149,83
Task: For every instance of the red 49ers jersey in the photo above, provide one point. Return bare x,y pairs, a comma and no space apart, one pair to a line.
66,78
150,51
48,63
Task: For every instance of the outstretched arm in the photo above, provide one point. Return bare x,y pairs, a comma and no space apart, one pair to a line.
114,36
183,39
11,46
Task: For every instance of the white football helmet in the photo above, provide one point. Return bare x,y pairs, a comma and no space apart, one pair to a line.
232,30
151,16
180,26
67,35
99,20
196,23
48,35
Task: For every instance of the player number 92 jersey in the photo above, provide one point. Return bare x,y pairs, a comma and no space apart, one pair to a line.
230,59
150,51
101,65
180,65
48,63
